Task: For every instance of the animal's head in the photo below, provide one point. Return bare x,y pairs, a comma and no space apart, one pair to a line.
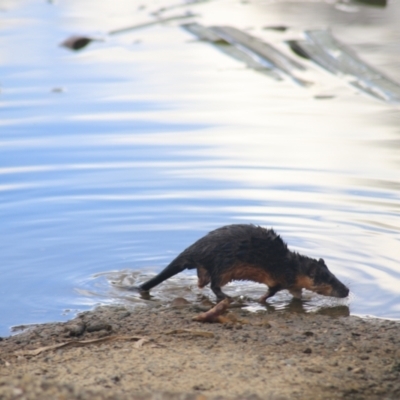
317,277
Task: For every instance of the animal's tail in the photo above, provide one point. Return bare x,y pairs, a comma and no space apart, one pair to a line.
172,269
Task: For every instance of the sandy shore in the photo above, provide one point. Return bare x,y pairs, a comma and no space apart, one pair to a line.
160,353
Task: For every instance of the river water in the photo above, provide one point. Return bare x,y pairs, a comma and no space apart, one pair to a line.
116,157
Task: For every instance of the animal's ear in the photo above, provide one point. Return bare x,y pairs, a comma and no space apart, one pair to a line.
321,261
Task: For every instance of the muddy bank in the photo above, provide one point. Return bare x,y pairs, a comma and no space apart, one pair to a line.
159,352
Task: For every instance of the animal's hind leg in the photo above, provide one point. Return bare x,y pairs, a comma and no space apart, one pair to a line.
204,277
271,292
216,288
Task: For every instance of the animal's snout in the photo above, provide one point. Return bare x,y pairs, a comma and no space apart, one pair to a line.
341,292
335,288
339,289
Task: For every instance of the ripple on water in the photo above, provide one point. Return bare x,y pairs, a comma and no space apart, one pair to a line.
117,284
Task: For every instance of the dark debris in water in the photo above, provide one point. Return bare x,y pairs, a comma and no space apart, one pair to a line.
254,52
297,49
324,96
77,42
319,46
324,49
278,28
372,3
152,23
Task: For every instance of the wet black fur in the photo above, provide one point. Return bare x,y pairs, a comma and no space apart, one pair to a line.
233,245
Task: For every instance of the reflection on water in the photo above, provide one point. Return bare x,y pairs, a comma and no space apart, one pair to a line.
156,139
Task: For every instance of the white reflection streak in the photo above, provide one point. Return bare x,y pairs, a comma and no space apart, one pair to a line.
383,279
118,116
91,166
22,186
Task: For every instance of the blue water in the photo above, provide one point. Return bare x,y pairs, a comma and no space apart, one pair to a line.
117,157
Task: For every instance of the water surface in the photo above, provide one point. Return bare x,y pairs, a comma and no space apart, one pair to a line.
115,158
